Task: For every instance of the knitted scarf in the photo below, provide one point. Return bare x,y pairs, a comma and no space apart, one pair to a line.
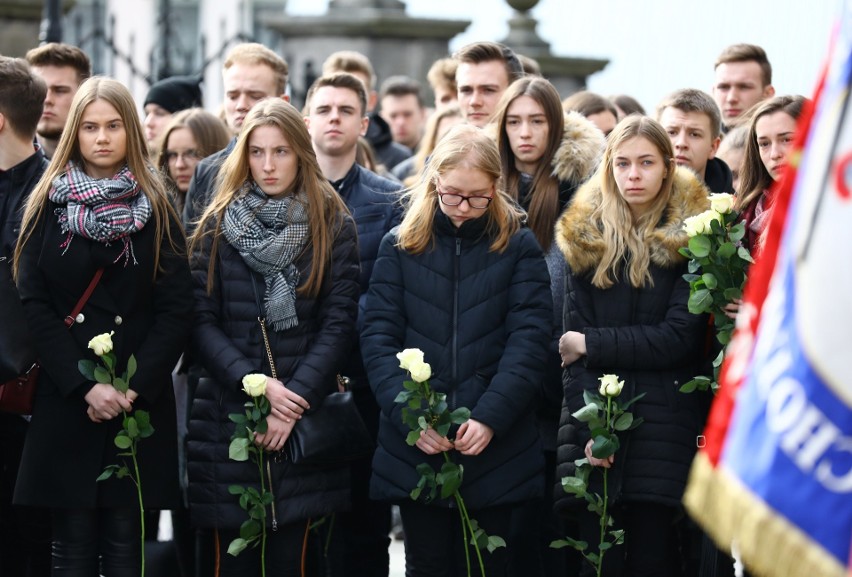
100,209
269,234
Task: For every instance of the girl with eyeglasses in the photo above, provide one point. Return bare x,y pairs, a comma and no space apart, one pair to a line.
463,281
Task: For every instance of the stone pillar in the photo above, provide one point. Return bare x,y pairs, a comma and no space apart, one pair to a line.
19,26
567,74
394,42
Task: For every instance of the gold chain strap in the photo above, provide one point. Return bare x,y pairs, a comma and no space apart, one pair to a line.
262,322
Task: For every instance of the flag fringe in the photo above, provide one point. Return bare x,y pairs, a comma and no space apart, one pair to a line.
769,545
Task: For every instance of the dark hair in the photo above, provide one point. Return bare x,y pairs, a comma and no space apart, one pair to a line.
747,53
692,100
22,95
588,103
401,86
478,52
57,54
339,80
627,104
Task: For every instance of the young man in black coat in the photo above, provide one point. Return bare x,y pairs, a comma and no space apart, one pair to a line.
337,106
24,532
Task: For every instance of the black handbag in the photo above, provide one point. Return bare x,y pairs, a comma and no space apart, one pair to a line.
332,434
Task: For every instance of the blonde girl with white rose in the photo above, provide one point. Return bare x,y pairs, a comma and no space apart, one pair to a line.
626,314
276,245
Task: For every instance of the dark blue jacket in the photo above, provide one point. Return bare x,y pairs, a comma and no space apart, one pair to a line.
228,343
483,321
374,204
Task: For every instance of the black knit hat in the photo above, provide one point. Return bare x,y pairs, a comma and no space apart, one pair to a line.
175,93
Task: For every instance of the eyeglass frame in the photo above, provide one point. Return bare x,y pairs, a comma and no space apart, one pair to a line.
442,194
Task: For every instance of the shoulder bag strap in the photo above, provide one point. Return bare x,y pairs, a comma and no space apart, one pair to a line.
261,319
72,318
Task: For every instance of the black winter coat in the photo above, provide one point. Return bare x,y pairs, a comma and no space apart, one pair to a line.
374,204
64,451
228,343
483,321
15,186
648,338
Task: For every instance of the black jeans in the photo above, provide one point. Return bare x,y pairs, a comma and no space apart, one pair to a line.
284,552
433,541
93,542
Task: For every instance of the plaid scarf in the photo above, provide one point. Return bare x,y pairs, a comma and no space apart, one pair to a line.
269,234
100,209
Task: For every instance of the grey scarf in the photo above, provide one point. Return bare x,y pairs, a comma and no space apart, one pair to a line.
269,234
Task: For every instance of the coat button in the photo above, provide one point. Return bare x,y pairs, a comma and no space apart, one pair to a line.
118,320
80,318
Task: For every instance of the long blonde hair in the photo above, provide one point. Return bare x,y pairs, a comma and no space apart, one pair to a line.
625,237
68,149
463,146
324,205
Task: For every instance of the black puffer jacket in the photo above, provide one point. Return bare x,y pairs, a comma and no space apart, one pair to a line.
648,338
15,187
483,321
228,343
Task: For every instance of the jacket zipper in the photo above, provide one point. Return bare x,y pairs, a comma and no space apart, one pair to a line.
271,492
457,272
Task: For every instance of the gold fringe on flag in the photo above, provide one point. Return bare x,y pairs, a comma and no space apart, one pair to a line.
769,545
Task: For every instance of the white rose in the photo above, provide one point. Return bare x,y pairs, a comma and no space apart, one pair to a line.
102,343
610,386
700,223
254,384
409,357
723,203
420,371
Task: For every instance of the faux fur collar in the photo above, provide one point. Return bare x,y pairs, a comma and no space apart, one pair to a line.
582,147
581,241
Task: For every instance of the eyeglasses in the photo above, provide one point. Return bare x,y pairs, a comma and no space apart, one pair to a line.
187,155
452,199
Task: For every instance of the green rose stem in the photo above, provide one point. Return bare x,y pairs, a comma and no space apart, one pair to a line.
604,516
262,492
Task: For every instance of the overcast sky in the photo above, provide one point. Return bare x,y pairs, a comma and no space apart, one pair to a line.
654,46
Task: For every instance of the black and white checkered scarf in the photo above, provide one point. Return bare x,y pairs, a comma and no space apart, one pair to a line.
270,233
100,209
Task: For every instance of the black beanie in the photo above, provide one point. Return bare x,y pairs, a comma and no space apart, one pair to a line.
175,93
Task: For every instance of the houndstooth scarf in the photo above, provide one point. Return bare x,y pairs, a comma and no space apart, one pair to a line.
100,209
270,234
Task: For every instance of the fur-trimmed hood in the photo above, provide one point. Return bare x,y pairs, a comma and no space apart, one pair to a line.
581,150
580,239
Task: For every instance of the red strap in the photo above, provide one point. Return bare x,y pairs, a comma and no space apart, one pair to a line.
72,318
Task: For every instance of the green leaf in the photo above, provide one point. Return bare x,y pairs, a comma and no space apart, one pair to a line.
238,449
605,546
421,422
743,253
237,546
693,266
732,293
87,369
574,486
623,422
120,385
689,387
460,415
727,250
108,471
132,427
569,542
495,542
710,280
261,427
402,397
255,414
131,368
122,472
102,375
450,479
123,441
238,418
109,361
699,245
412,437
236,490
737,232
700,301
617,536
690,278
587,413
603,447
250,529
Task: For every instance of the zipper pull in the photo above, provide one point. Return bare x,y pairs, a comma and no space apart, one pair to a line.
271,505
458,247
